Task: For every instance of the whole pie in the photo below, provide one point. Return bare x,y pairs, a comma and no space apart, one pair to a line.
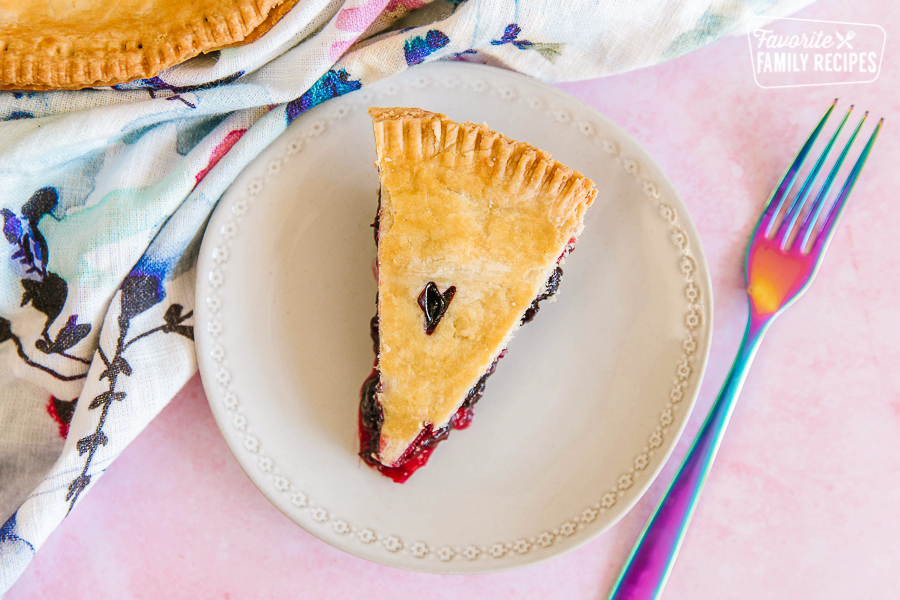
71,44
470,231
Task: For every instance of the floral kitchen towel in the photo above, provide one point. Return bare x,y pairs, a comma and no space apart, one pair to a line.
106,193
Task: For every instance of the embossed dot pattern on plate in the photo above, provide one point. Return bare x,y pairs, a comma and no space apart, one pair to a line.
215,280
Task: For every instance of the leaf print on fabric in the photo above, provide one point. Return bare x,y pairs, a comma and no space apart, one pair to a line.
174,320
6,335
708,28
156,84
47,295
141,291
188,137
68,336
511,36
417,49
42,289
460,55
331,85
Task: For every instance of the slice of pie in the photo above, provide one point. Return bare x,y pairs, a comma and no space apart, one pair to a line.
470,230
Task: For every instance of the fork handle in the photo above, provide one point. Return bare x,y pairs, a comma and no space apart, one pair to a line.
648,567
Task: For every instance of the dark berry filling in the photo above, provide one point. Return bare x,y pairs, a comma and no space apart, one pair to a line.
552,285
434,304
550,289
373,331
416,456
377,222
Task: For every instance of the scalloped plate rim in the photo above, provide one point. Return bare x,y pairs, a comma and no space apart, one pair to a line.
345,542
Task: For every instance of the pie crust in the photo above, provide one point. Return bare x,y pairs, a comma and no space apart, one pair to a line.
272,19
463,206
72,44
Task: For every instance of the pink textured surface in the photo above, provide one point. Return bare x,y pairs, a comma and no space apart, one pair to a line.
802,501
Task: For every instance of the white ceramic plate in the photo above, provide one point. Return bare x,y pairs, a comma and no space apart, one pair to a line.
579,417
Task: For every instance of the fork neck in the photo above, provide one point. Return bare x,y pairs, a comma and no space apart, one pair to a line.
757,322
757,325
720,413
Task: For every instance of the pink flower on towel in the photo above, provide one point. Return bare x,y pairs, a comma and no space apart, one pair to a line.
356,20
224,146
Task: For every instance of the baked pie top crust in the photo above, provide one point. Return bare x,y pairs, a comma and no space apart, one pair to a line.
463,206
71,44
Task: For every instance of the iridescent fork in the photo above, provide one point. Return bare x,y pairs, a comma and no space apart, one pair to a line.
782,260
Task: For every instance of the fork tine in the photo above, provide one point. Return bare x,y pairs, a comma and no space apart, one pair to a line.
796,207
812,217
837,209
787,180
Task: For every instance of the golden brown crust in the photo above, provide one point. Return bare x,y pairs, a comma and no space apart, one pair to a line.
48,44
272,19
461,206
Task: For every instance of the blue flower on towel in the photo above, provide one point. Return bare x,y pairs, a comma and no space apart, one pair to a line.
418,48
331,85
8,533
511,36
